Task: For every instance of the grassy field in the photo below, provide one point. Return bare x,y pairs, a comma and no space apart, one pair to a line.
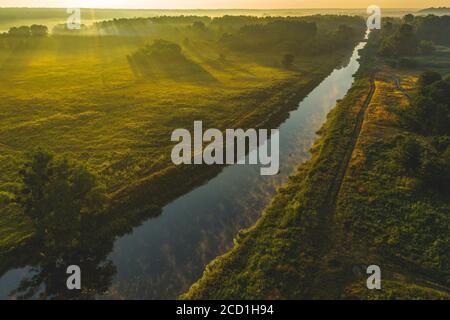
312,244
406,230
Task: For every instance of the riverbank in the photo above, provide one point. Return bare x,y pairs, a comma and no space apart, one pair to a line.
342,211
275,258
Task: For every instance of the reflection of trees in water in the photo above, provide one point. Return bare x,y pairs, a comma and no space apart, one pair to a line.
48,277
66,205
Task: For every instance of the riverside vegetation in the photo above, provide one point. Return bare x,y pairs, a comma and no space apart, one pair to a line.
87,119
376,190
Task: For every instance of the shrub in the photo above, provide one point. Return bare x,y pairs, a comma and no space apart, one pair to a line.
435,172
407,63
426,47
407,154
57,195
428,77
38,30
288,60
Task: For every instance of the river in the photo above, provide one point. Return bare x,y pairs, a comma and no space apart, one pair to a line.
161,258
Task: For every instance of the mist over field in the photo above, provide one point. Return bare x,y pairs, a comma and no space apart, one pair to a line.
88,109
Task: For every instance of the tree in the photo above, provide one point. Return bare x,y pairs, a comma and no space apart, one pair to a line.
433,28
407,154
406,41
430,110
426,47
435,172
38,30
427,78
408,18
23,31
407,63
198,25
57,195
288,60
402,43
387,48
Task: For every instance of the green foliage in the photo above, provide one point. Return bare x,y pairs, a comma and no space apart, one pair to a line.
57,195
25,31
302,36
408,18
407,154
38,30
426,47
435,171
415,35
198,25
402,43
430,110
288,60
433,28
406,63
428,77
273,34
429,165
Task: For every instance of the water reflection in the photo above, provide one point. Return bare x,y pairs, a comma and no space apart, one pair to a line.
46,276
164,256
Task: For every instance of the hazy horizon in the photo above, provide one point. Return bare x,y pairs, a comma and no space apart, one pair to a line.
222,4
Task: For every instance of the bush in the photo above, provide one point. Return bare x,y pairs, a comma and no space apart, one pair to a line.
407,154
198,25
407,63
428,77
288,60
38,30
57,195
426,47
435,172
23,31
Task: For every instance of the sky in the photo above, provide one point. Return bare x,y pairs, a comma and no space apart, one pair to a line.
225,4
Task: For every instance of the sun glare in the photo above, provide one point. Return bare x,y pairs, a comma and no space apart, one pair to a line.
98,4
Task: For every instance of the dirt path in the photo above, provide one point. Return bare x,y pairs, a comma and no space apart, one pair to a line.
399,87
329,209
331,237
333,194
